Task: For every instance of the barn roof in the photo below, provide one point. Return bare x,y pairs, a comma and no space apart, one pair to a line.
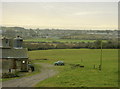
12,53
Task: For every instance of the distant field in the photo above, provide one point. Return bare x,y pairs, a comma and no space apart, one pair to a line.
80,77
58,40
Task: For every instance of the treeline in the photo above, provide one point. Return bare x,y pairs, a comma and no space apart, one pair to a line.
89,37
73,45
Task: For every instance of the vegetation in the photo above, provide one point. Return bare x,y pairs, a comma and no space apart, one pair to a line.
9,75
44,44
46,40
72,76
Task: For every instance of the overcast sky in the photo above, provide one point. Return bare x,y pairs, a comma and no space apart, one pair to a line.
65,15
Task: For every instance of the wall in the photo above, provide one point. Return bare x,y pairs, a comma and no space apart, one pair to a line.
9,64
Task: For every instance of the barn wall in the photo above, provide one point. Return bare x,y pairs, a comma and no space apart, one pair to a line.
6,65
9,64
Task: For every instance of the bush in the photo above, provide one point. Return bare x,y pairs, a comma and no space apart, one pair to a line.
9,75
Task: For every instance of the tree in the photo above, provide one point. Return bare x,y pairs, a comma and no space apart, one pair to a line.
97,44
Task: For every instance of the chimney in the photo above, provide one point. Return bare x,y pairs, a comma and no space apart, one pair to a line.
5,42
18,41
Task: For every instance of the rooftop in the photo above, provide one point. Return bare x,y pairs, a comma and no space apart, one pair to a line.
14,53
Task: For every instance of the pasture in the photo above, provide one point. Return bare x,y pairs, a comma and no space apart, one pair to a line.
58,40
88,76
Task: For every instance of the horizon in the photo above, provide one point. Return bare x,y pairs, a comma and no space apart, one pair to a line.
58,29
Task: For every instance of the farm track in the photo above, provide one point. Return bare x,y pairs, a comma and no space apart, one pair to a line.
46,72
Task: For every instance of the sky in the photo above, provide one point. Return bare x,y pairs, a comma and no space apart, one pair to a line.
61,15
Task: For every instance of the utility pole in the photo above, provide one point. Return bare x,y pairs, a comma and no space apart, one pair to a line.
100,66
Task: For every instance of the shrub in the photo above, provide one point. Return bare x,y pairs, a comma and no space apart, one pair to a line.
9,75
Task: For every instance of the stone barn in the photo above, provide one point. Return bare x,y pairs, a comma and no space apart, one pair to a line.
14,56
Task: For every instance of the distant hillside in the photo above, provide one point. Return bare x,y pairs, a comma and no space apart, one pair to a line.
59,33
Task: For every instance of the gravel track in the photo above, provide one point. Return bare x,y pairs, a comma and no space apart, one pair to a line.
46,72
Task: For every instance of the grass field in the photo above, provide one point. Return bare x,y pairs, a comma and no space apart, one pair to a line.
80,77
57,40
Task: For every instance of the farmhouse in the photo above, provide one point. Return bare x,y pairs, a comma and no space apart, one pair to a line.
14,56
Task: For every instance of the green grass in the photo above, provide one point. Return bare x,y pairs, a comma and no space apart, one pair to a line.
80,77
58,40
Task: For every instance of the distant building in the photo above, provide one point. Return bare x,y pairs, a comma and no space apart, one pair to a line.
14,56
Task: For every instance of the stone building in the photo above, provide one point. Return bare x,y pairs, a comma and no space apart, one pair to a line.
14,56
